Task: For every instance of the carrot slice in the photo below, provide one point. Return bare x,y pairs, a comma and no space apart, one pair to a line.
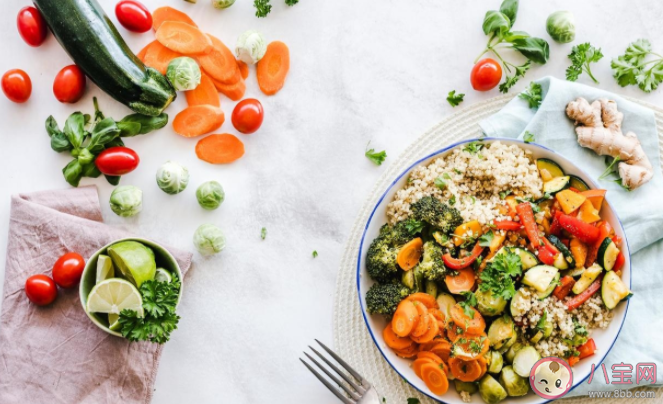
395,342
158,56
435,378
418,363
141,54
243,69
204,94
273,68
433,329
220,149
442,349
439,316
425,299
470,325
233,91
162,14
220,63
183,38
430,356
409,255
410,352
484,365
463,282
422,322
198,120
405,318
465,371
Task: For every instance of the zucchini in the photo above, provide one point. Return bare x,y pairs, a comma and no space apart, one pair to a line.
536,337
468,387
613,290
527,259
551,287
525,360
431,288
560,262
92,41
540,277
548,328
556,184
551,168
575,272
607,255
554,240
577,183
587,278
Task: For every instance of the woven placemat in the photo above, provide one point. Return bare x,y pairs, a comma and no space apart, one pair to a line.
352,340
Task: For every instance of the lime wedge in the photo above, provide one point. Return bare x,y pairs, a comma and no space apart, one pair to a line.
113,321
163,276
114,295
105,268
134,260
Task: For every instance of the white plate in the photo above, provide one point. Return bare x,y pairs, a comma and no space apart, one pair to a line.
604,339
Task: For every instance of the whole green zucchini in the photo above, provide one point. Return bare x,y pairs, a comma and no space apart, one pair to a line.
92,41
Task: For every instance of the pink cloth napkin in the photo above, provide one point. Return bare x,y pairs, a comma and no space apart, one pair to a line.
55,354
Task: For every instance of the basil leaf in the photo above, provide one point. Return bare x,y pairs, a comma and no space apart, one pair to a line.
73,172
129,129
112,179
513,35
114,143
52,127
91,170
495,22
74,129
103,132
534,49
510,9
85,157
147,123
60,143
86,119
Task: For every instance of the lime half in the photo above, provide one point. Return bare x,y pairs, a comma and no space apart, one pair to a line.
105,268
113,322
134,260
114,295
163,276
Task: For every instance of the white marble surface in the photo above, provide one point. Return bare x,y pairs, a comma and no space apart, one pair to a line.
361,70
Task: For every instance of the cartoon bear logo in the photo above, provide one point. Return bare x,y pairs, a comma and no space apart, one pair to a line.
551,378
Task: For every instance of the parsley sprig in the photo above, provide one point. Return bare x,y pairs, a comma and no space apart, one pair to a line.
498,276
528,137
469,303
263,7
633,68
376,157
581,56
532,94
455,99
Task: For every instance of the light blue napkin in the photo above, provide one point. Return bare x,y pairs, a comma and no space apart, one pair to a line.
640,211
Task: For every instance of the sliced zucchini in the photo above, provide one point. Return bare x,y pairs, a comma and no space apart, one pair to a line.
500,331
517,301
407,278
575,272
514,385
540,277
468,387
613,290
496,362
524,360
446,302
511,353
431,288
491,390
536,336
551,287
607,255
577,183
554,240
527,259
551,167
556,184
587,278
547,328
489,304
560,262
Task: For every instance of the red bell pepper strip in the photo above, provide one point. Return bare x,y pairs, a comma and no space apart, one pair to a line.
526,215
584,296
507,225
584,232
604,231
564,288
619,262
460,263
546,255
572,360
616,239
555,228
577,191
587,349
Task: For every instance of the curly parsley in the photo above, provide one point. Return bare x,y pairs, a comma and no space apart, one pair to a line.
532,94
455,99
581,56
376,157
468,304
498,276
528,137
262,8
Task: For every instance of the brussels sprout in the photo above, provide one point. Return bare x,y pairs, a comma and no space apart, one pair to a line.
209,239
511,353
126,200
561,26
210,195
491,390
172,178
496,361
251,47
222,3
514,385
469,387
489,304
183,73
501,331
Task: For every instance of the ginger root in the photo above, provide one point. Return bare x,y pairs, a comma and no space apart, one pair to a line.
599,127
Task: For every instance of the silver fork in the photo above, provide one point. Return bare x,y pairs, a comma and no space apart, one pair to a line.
358,389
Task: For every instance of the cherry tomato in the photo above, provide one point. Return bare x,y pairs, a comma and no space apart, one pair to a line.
247,116
68,269
41,290
16,85
133,16
486,74
69,84
117,160
31,26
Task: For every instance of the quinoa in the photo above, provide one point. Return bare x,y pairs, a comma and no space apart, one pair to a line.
473,179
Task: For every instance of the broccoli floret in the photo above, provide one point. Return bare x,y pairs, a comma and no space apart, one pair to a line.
381,259
401,234
430,210
432,266
384,298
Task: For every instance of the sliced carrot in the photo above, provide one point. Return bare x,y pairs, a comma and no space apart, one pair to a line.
395,342
409,352
418,363
439,316
405,318
273,68
220,63
204,94
409,255
432,332
462,282
470,325
442,349
243,69
183,38
435,378
425,299
162,14
430,356
422,324
465,371
220,149
233,91
484,365
141,54
198,120
159,57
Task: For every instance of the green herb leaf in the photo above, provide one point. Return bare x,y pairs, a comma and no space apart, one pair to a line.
263,233
486,239
376,157
446,176
633,67
440,183
496,23
504,194
455,99
528,137
581,56
512,80
413,401
315,254
104,131
473,147
147,123
414,226
291,2
112,179
74,129
533,95
541,324
498,276
510,9
452,200
52,127
469,303
457,171
128,129
73,172
535,49
262,8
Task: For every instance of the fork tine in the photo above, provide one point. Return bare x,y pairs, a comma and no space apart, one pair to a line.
345,377
342,363
340,384
324,381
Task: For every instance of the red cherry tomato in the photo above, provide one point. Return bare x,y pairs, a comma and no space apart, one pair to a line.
117,160
486,74
31,26
68,269
41,290
133,16
247,116
16,85
69,84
